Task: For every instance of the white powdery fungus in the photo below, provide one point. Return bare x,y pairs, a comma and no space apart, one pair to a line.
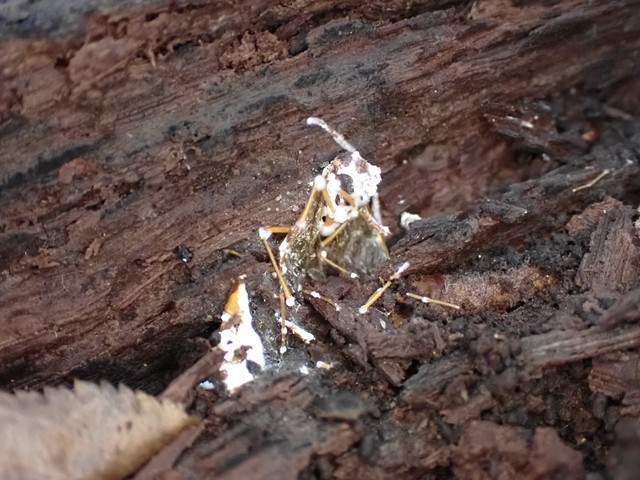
365,178
240,342
406,219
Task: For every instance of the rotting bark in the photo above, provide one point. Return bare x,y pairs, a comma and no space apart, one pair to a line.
140,146
153,158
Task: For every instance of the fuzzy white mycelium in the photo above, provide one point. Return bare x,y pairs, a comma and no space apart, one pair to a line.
240,342
364,180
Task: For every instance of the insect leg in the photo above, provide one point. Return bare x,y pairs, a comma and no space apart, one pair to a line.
265,233
335,233
375,208
424,299
283,324
373,222
340,268
319,184
378,293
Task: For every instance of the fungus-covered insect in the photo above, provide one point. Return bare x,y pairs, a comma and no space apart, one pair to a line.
340,225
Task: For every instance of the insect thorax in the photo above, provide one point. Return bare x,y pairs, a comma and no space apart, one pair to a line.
357,247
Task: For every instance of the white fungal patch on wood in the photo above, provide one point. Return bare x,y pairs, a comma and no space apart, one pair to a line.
207,385
240,342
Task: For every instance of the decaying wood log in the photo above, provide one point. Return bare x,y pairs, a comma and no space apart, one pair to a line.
158,141
144,144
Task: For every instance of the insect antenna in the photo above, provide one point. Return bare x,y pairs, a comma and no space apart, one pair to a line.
337,137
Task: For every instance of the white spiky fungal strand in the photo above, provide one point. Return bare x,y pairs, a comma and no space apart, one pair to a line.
240,342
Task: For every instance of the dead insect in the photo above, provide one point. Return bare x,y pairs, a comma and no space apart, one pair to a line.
340,225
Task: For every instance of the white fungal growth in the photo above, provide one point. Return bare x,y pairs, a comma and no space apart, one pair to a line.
400,270
406,219
338,212
319,182
240,342
301,333
365,178
284,249
264,233
324,365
